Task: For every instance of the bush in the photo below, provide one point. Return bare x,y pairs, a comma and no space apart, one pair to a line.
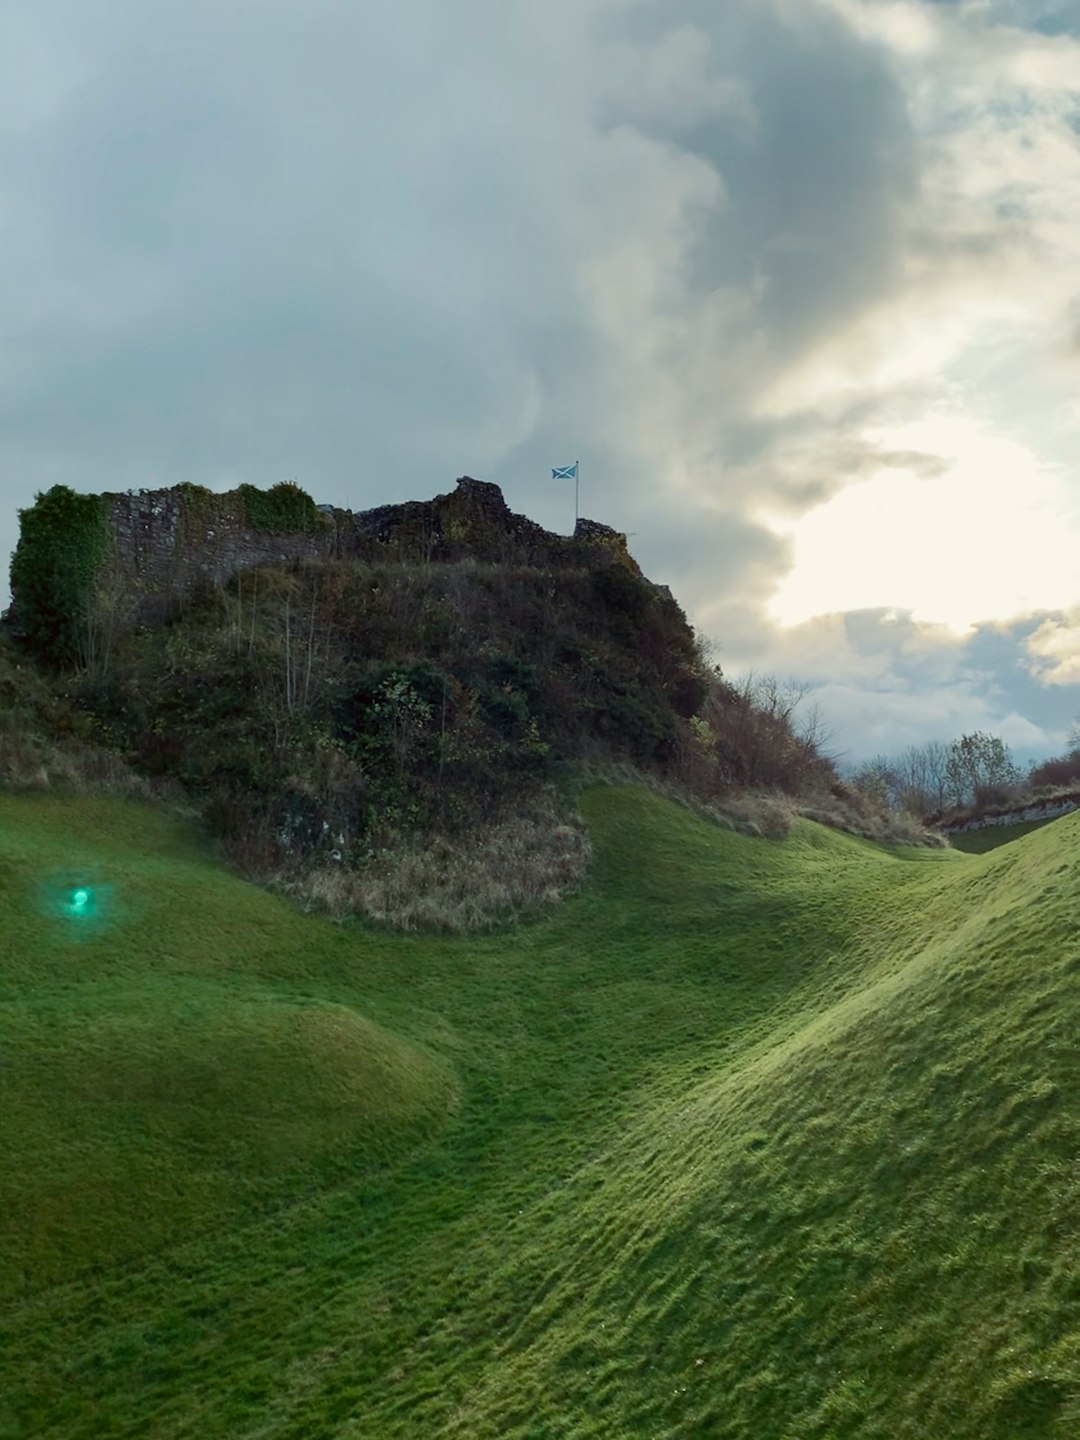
516,865
641,731
63,543
285,509
1065,770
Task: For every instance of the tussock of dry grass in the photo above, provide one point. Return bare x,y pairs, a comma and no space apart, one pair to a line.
454,884
28,762
769,814
886,827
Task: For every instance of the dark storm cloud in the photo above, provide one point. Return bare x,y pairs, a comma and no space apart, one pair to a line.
253,242
815,186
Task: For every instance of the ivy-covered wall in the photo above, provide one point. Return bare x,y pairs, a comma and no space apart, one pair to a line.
164,543
168,542
64,541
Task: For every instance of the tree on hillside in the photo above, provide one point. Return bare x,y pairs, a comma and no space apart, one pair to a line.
924,777
877,779
980,769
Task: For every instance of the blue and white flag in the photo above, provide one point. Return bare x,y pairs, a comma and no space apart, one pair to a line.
567,472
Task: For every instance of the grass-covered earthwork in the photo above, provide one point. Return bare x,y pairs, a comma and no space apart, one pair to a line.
770,1139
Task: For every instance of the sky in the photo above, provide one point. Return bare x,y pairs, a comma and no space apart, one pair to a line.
797,281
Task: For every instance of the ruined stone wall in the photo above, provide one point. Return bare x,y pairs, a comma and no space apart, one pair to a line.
168,541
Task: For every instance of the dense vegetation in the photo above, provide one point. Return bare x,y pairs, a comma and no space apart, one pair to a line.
746,1139
284,509
336,706
63,545
398,736
338,722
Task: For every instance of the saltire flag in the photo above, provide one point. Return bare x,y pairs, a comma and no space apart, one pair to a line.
566,472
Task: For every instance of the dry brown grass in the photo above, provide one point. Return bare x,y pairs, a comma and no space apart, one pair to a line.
768,814
518,865
850,812
30,762
46,744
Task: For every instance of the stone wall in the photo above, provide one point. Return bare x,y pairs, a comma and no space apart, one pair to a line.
1049,809
168,541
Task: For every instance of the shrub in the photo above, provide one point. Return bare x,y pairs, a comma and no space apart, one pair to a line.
63,543
1065,770
284,509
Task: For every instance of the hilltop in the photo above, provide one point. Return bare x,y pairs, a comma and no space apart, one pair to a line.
90,566
387,711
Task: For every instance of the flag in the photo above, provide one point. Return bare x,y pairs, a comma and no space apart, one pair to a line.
566,472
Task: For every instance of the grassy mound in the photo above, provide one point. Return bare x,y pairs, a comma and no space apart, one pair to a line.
866,1226
154,1079
771,1139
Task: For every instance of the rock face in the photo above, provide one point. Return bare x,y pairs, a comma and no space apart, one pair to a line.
167,542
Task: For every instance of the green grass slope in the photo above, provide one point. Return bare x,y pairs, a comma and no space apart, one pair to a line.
751,1139
978,842
160,1066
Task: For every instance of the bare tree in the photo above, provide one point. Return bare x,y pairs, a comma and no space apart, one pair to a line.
762,739
922,778
106,611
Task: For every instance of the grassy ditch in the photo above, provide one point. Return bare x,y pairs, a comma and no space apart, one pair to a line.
770,1138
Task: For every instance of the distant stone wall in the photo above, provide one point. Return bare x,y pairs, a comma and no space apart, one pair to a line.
1033,810
168,541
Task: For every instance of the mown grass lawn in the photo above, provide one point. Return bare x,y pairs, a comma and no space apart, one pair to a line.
750,1139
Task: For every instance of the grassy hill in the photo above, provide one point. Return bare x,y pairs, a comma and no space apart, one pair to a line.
750,1138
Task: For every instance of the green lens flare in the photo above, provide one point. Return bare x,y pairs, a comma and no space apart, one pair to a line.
84,906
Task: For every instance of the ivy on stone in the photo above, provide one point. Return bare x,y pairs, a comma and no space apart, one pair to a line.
63,542
284,509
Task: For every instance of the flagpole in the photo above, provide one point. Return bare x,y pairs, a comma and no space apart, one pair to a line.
577,483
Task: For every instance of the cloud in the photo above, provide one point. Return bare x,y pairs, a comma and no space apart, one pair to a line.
254,243
726,256
1055,650
885,680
